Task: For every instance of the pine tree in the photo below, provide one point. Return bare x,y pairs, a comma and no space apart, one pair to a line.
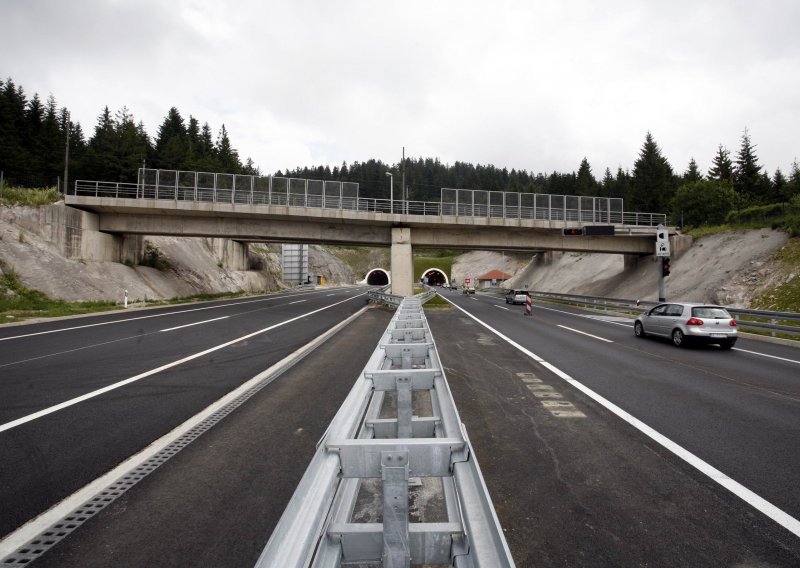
652,184
722,170
585,182
172,143
692,173
228,157
747,179
102,153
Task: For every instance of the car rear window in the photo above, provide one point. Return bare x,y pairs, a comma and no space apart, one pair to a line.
711,313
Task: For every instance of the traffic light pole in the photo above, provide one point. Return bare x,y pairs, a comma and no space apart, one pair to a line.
662,295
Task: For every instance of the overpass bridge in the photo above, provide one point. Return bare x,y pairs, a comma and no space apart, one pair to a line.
287,210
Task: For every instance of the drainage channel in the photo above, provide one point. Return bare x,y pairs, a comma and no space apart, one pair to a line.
59,530
397,434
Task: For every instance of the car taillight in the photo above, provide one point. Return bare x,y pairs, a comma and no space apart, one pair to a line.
694,321
733,323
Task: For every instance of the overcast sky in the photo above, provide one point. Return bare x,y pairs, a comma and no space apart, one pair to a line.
530,85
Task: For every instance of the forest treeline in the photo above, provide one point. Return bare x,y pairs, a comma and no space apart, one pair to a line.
33,136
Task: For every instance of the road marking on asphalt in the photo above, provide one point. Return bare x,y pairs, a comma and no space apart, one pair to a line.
269,299
58,512
587,334
776,514
548,398
140,376
195,323
502,307
765,355
295,302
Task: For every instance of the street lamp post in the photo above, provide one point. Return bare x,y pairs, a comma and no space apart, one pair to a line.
391,191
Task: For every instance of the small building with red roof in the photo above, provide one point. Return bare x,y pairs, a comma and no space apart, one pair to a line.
492,278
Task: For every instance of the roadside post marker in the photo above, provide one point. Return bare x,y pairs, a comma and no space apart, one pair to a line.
528,305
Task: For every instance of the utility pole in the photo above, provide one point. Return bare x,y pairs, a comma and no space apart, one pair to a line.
66,157
403,170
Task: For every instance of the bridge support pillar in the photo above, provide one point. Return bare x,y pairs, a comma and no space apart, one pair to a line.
402,262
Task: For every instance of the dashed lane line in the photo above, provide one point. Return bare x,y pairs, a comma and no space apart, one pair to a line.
108,388
754,500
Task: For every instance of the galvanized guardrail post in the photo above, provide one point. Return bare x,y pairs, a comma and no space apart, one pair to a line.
318,527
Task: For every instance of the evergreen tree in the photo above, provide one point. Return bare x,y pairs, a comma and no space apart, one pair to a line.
722,170
585,182
102,154
780,186
747,180
228,157
793,185
692,173
607,185
172,143
652,184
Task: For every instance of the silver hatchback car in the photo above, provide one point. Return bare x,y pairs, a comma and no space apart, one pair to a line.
686,323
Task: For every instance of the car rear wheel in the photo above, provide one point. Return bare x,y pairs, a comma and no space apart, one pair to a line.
728,343
678,339
638,329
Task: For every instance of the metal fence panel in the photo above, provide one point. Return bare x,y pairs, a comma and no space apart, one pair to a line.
333,195
316,193
261,190
206,186
297,192
243,189
280,191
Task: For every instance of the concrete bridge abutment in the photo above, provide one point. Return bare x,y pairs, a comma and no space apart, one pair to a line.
402,262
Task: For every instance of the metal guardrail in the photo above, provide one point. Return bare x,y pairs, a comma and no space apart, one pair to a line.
360,446
744,317
302,193
380,295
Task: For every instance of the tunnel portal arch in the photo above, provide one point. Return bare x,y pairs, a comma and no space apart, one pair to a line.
436,277
378,277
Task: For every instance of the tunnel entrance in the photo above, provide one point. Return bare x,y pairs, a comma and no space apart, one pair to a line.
377,277
435,277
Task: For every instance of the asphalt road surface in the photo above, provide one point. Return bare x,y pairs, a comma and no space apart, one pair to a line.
598,491
59,426
574,482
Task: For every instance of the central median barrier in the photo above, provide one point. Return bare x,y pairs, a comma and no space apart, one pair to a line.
394,480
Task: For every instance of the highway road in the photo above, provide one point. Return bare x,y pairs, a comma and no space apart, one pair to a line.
81,395
575,423
733,417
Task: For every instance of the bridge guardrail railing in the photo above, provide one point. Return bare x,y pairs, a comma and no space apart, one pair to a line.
219,188
774,322
365,454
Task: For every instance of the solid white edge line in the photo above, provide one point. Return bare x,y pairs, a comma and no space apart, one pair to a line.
57,512
195,323
779,516
98,392
584,333
765,355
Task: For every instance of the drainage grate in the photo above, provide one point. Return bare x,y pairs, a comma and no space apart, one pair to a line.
47,539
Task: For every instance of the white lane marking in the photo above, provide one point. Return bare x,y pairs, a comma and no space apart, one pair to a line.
779,516
587,334
140,376
146,317
602,319
502,307
295,302
56,513
195,323
765,355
